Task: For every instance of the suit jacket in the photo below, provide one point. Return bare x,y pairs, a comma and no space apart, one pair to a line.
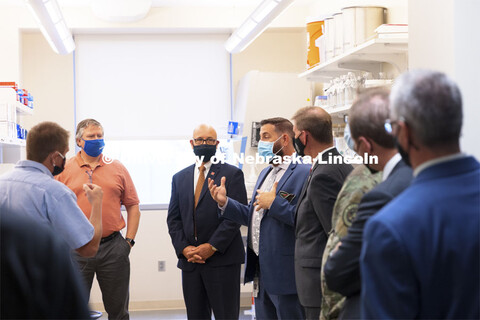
211,228
421,255
313,223
277,236
342,270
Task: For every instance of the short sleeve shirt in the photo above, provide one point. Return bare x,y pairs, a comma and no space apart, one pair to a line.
30,190
117,185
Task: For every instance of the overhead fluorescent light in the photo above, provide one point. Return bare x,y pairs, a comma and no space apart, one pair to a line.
255,24
52,25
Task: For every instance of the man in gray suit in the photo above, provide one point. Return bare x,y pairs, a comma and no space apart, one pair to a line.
314,138
366,118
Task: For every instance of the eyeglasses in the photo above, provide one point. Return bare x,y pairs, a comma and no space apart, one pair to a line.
209,141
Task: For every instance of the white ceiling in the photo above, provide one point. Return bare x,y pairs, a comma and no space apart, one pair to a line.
167,3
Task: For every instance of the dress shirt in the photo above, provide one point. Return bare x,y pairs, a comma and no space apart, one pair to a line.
267,185
196,172
30,190
390,165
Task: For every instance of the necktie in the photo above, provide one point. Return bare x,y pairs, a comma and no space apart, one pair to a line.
200,182
258,215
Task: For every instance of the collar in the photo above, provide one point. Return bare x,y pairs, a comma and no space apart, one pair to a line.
320,155
436,161
33,164
206,165
283,166
387,170
82,163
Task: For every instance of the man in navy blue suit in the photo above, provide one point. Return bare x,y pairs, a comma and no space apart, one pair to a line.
270,220
421,252
209,248
366,119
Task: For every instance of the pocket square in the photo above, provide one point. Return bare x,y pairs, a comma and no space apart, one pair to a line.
287,196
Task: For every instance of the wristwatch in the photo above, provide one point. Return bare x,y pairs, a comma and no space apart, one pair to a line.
131,241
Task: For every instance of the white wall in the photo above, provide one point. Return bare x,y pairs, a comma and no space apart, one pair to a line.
49,78
10,44
443,37
467,70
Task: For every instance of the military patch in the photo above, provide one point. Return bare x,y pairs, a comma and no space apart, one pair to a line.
287,196
349,214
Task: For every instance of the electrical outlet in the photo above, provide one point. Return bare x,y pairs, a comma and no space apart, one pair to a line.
161,266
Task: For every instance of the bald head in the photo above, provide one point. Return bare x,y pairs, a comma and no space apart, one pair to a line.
204,131
316,121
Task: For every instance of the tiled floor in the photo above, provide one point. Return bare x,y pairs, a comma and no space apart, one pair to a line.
169,315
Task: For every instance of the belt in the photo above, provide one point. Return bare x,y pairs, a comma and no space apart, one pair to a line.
110,237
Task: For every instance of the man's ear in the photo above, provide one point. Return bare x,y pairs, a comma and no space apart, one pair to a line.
363,143
191,143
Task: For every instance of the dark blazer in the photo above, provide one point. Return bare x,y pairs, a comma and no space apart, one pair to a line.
421,254
211,228
342,270
277,235
313,223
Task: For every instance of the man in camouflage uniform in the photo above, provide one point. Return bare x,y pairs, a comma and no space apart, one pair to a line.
359,182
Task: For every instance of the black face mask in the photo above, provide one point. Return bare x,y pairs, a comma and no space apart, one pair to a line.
403,153
299,146
58,170
205,150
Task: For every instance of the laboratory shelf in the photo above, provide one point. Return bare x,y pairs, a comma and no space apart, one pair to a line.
6,141
368,56
338,111
23,109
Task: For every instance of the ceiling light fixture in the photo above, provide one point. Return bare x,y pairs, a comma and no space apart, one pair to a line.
255,24
51,23
121,10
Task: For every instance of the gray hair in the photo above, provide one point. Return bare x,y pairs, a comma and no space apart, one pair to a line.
430,104
85,124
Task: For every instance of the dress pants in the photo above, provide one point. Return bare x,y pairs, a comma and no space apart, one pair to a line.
112,266
312,313
271,306
207,288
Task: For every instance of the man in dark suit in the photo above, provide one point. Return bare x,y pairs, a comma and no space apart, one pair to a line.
270,220
313,132
366,119
421,254
209,248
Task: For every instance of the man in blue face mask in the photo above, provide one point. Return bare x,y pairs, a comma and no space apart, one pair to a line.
111,264
270,219
209,248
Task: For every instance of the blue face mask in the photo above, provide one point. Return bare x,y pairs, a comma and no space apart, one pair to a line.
348,138
265,148
94,148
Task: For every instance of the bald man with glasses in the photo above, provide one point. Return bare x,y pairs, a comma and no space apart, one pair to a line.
209,248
